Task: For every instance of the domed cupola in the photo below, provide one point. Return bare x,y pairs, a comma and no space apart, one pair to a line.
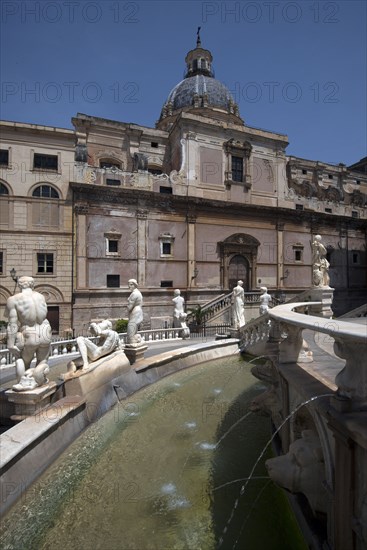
200,93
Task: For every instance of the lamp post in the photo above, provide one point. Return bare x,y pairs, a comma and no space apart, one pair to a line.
14,276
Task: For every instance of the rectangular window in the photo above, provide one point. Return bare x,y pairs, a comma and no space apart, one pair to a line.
166,190
166,249
330,176
113,281
113,246
299,206
45,162
355,257
4,157
328,210
111,181
304,171
45,263
237,168
1,262
154,144
166,284
354,214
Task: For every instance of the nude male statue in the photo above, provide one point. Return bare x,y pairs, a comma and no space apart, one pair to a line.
108,342
28,333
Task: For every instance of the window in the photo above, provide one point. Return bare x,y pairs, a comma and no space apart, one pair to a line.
330,176
154,144
328,210
110,164
355,257
112,243
237,168
113,281
299,206
110,181
45,263
166,244
166,249
155,171
358,182
46,192
45,162
4,157
1,262
298,253
4,205
166,284
304,171
45,212
354,214
166,190
113,246
3,189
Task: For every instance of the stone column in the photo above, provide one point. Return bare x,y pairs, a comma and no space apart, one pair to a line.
142,240
191,230
280,243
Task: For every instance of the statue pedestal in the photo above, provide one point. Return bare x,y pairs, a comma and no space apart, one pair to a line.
135,352
30,402
323,294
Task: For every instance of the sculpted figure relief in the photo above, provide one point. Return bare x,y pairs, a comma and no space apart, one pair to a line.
28,333
238,305
320,265
134,307
302,470
108,342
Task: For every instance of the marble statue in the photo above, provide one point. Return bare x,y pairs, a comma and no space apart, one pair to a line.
302,470
320,265
179,315
108,342
28,334
134,307
265,298
238,305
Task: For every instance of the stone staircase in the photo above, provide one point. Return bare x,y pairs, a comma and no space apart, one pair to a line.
219,309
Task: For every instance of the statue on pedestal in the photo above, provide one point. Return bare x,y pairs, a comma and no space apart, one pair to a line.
238,305
108,342
28,333
320,265
265,298
134,307
179,315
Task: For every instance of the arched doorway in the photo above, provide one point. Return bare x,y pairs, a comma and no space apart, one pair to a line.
238,269
238,260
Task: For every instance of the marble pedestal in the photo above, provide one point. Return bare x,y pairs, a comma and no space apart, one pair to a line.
30,402
135,352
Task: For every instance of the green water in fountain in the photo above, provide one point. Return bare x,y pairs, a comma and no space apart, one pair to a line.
160,471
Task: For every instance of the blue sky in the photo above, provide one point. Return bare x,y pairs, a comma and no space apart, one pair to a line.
297,68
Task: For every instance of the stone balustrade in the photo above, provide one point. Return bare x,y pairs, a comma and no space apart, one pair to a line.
350,343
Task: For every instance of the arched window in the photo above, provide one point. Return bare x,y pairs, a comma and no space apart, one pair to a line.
45,192
110,163
45,213
3,190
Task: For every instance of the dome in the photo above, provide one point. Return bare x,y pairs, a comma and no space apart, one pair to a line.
200,89
199,92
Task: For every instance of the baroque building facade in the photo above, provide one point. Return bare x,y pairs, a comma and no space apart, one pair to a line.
195,203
